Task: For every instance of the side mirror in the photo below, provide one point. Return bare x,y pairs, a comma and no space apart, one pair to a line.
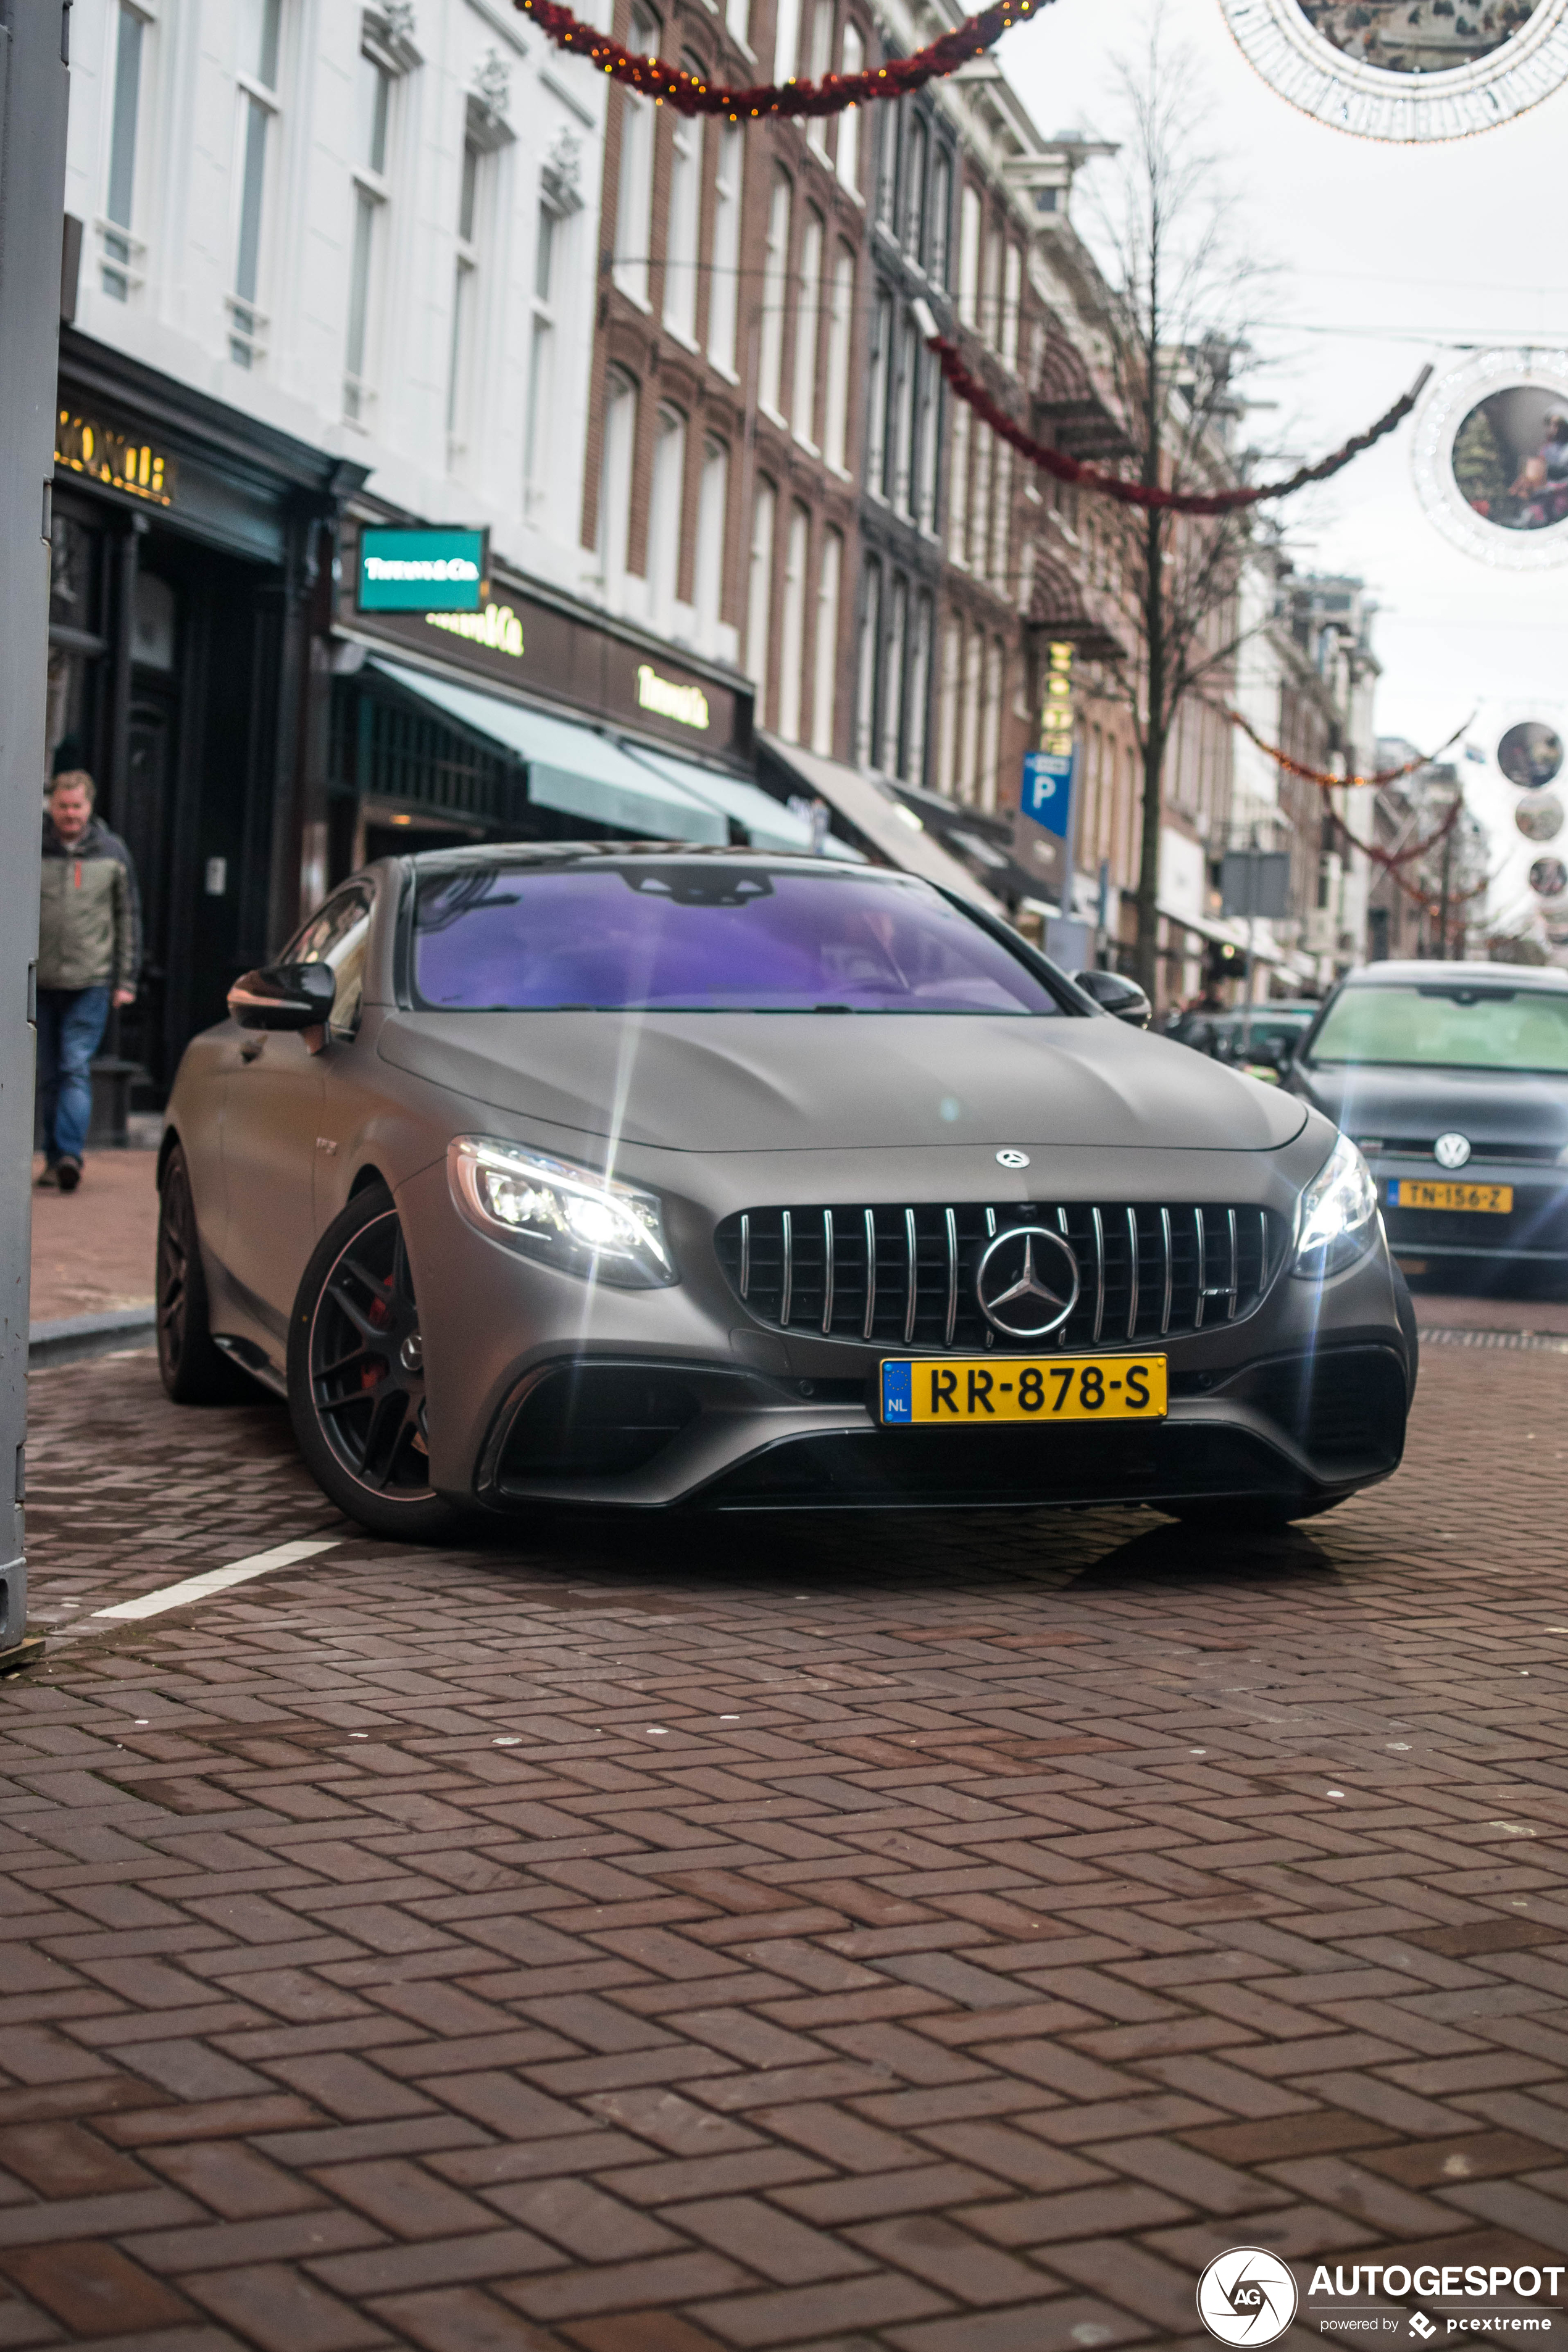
284,996
1123,998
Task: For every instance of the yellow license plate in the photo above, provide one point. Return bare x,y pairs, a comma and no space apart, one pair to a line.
1415,1192
967,1389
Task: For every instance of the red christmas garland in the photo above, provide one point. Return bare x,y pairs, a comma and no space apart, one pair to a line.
1324,776
689,94
1141,494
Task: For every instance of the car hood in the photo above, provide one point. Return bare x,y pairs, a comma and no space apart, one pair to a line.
1495,1109
761,1082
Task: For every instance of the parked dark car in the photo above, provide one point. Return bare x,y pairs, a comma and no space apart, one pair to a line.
1263,1039
607,1173
1453,1080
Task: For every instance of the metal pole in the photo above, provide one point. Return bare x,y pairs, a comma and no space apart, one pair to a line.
33,92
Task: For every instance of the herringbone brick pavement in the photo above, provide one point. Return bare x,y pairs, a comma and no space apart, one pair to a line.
927,1933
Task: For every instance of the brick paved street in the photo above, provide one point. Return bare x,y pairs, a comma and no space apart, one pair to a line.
927,1934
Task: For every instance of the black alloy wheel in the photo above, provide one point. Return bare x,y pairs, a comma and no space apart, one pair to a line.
191,1369
356,1376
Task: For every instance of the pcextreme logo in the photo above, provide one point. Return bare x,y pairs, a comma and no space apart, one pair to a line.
1247,2296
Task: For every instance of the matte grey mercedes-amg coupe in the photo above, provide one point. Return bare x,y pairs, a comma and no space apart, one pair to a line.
615,1174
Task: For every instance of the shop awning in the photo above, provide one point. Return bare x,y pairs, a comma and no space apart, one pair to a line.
892,828
571,768
768,824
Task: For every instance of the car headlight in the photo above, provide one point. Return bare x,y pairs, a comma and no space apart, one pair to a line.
1336,1216
575,1218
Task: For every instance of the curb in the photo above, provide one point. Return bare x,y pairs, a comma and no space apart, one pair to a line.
76,1336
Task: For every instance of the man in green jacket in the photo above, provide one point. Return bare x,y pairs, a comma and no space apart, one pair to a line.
89,953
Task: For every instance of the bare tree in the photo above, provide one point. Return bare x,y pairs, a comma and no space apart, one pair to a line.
1186,301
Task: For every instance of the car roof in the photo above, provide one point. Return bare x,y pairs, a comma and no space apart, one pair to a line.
471,854
1419,975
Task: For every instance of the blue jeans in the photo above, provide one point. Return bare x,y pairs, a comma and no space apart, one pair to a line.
70,1027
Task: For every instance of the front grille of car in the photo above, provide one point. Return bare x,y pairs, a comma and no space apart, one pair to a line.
1419,1147
904,1276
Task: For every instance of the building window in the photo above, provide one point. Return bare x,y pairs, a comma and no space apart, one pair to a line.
822,17
906,386
958,485
663,517
118,204
840,322
1012,293
461,370
1026,576
616,476
990,319
888,167
760,593
724,277
969,257
1001,517
952,682
680,243
776,289
826,671
708,584
807,328
866,666
915,146
786,40
260,38
930,414
791,632
541,349
892,685
372,93
849,121
738,17
980,509
633,201
969,740
920,691
877,397
941,206
991,743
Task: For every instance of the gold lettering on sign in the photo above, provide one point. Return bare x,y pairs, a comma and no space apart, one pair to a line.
497,626
687,705
84,446
1056,718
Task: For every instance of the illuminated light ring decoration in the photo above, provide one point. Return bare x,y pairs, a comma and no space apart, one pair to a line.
1448,402
1549,878
1303,67
1540,820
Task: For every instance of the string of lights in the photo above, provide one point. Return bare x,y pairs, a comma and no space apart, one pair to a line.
1325,776
1057,462
655,78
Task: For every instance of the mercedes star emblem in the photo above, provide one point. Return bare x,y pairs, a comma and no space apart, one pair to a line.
1451,1150
1027,1282
1012,1160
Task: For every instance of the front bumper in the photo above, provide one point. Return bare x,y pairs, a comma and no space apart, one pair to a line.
1534,1232
546,1390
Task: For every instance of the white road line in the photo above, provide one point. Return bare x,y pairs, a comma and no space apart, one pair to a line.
216,1580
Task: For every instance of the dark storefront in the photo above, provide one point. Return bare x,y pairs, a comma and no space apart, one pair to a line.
534,719
190,560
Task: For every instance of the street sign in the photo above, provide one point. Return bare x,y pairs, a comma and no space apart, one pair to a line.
421,570
1047,790
1255,881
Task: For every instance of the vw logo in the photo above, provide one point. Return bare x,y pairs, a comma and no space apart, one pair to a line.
1027,1282
1451,1150
1012,1160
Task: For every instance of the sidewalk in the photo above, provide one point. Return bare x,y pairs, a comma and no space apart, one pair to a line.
92,1249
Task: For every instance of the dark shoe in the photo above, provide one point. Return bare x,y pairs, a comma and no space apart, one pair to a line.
67,1175
50,1181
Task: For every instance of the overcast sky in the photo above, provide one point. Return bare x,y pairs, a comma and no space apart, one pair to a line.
1389,256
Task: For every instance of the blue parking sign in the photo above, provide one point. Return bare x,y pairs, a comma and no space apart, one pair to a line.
1047,790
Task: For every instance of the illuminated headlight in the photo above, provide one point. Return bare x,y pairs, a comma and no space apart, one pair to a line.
1336,1217
575,1218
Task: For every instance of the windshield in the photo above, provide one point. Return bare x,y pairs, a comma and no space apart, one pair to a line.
1449,1028
708,937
